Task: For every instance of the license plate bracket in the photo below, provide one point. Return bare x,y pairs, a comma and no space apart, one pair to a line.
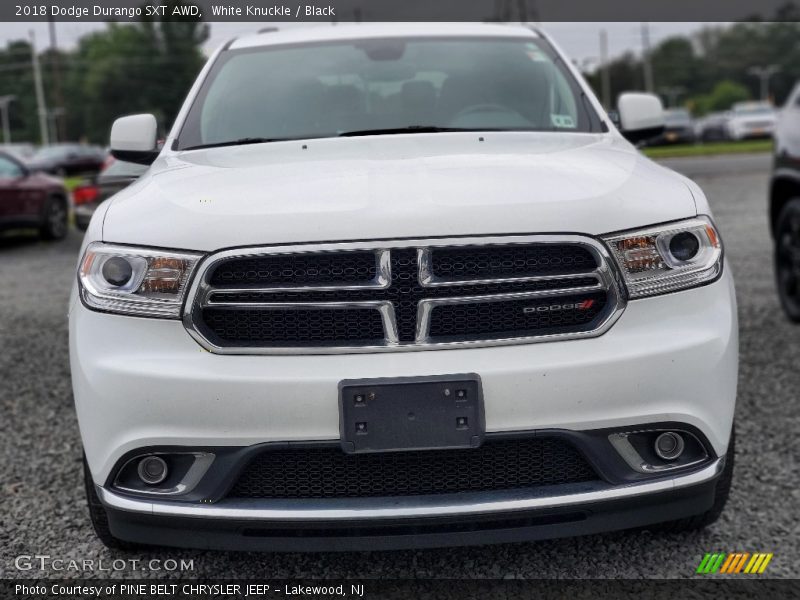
411,413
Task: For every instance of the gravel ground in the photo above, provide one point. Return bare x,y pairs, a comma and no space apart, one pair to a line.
43,503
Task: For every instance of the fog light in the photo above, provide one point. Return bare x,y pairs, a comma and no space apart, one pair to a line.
669,445
152,470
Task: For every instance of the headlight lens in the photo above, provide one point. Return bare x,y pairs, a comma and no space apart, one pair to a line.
667,258
135,281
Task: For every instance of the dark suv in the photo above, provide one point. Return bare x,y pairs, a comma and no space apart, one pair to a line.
784,205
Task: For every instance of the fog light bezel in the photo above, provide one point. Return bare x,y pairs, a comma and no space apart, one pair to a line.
654,464
185,473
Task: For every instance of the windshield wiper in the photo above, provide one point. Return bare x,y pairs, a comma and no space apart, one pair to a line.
239,142
409,129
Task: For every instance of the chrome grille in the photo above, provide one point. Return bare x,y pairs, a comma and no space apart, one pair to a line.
405,295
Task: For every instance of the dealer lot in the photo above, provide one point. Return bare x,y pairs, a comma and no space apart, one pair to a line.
44,510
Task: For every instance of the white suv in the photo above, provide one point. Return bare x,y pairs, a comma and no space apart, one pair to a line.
400,285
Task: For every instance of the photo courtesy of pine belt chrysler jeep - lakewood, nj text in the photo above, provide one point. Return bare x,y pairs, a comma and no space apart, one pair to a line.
400,285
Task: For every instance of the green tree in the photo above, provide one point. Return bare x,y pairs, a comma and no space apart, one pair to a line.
717,54
144,67
722,97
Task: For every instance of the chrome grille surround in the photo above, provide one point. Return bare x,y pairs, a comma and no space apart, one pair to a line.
203,295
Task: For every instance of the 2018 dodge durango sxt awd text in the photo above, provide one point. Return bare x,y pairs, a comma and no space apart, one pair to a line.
400,285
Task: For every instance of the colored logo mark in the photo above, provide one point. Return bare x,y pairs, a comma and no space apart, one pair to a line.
737,562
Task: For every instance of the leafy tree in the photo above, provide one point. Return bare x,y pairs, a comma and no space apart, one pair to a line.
142,67
717,54
722,97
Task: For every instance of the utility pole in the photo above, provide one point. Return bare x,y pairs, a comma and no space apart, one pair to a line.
605,73
764,74
5,101
59,129
40,102
52,119
649,85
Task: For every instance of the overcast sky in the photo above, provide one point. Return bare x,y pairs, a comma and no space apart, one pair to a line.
579,40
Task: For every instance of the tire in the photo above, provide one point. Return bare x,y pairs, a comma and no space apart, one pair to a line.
787,259
721,493
55,221
99,518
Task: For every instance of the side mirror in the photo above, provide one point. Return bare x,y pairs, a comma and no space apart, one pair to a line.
641,116
134,139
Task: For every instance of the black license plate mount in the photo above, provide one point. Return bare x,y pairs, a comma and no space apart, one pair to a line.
411,413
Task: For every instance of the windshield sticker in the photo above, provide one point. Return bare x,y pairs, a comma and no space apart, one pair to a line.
562,121
534,53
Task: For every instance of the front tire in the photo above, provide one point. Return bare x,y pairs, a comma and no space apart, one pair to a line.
99,517
787,259
55,220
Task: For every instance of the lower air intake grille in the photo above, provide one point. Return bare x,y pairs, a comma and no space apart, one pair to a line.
500,464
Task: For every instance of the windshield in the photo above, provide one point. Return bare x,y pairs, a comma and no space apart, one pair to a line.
55,151
677,117
338,88
754,110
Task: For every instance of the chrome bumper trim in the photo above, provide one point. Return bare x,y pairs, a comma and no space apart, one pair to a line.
347,509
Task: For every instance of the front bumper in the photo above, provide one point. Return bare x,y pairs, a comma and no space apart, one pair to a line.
145,383
419,522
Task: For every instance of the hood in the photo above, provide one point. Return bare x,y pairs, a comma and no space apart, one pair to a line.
401,186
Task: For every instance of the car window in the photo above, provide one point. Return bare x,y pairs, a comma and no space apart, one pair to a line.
677,117
9,169
472,83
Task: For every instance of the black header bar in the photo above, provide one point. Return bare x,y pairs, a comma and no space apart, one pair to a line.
402,10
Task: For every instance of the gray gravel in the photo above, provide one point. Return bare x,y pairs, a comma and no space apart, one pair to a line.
43,504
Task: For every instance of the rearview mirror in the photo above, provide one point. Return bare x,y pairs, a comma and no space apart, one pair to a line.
641,116
134,139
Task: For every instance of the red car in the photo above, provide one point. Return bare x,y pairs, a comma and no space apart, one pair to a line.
29,200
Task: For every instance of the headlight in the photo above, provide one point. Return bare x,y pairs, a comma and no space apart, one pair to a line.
135,281
667,258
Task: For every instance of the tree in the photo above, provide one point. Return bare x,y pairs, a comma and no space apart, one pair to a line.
144,67
722,97
717,54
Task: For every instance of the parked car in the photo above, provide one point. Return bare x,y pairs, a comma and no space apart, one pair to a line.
31,200
784,205
23,151
713,127
751,120
417,292
68,159
115,175
679,128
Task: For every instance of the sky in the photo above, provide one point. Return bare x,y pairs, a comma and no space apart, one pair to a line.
579,40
